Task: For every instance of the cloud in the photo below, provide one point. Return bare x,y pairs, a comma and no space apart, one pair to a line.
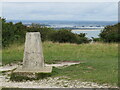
61,11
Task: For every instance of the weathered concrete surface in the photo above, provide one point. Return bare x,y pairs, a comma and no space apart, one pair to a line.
33,60
46,69
33,54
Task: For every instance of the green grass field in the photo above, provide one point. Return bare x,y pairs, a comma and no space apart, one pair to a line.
99,61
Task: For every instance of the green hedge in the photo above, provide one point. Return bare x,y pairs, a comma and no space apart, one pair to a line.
111,33
15,33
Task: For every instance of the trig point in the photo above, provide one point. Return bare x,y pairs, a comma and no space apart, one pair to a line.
33,61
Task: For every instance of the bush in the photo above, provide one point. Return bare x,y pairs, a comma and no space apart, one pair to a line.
12,32
82,39
44,31
110,33
15,33
96,39
64,36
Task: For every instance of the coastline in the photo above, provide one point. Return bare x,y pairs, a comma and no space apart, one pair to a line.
86,30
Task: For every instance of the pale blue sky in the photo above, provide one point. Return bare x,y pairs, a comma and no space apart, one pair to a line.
81,11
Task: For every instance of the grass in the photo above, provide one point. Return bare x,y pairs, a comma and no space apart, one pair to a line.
12,54
98,60
28,76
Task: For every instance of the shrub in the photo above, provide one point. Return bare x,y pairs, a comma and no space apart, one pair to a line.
83,39
64,36
96,39
110,33
12,32
15,33
44,31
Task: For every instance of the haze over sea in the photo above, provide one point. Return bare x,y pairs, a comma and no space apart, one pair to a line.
91,28
61,23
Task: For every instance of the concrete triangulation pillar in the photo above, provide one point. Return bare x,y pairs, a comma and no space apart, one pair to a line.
33,60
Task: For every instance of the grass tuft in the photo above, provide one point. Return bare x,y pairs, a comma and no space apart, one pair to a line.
99,61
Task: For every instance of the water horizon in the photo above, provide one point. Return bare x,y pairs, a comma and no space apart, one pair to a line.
64,22
91,28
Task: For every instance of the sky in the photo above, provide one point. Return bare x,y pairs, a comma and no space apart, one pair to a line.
70,11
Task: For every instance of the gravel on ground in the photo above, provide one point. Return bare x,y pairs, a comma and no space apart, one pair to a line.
49,82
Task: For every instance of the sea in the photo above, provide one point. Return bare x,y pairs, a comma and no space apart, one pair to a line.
91,28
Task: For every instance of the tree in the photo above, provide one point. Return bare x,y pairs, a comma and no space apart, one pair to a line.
110,33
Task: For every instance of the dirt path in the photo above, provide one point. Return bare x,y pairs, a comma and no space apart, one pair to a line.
14,65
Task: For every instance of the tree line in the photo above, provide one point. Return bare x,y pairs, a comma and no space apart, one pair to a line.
15,33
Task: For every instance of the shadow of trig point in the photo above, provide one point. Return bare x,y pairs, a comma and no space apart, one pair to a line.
33,61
